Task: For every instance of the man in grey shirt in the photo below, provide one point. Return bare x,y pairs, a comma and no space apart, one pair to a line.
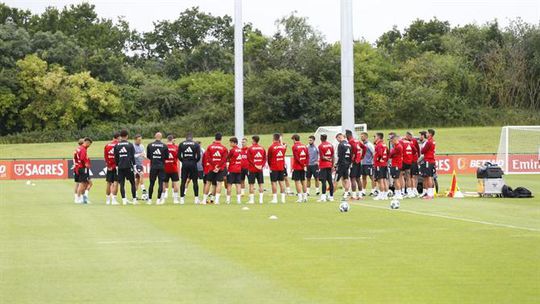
140,155
313,165
366,168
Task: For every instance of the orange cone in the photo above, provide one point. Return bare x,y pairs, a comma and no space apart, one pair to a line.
454,188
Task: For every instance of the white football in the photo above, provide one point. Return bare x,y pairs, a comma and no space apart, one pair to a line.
394,204
344,207
144,196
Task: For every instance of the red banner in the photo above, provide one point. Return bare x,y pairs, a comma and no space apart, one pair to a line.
468,163
39,169
5,169
462,163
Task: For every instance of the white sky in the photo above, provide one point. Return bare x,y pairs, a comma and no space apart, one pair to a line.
371,18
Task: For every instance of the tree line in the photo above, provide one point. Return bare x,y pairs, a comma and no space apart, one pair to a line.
68,72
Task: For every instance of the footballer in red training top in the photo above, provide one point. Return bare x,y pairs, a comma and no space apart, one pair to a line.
326,162
234,170
172,169
276,162
300,161
216,154
256,156
111,177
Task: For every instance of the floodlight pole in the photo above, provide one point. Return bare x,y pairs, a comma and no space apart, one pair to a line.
238,71
347,67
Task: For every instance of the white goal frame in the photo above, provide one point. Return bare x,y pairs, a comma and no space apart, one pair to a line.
331,131
503,153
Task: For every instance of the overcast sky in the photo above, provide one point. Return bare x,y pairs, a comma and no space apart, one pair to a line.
371,18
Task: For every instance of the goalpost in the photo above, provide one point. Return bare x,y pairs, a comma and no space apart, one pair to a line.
519,150
332,131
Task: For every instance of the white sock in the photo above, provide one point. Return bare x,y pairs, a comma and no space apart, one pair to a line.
288,190
228,200
165,193
300,196
283,197
217,198
86,193
252,197
108,200
239,198
430,191
261,195
305,195
175,195
114,198
274,197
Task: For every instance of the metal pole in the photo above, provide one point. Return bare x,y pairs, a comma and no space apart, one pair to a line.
238,71
347,67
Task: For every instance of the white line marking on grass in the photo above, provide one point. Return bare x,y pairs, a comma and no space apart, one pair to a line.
133,242
340,238
453,218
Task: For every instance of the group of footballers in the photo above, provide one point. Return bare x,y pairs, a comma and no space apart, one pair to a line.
395,165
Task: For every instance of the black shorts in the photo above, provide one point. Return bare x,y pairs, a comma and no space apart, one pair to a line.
234,178
215,177
76,177
414,169
356,170
277,176
252,176
325,174
366,170
243,174
171,176
405,167
111,176
126,173
312,171
342,172
138,171
84,175
189,170
428,170
299,175
394,172
156,173
381,172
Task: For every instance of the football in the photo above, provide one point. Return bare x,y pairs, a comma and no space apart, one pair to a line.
344,207
394,204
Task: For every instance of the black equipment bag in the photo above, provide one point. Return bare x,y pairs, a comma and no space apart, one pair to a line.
489,170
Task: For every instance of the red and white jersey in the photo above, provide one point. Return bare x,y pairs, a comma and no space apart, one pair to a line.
217,155
300,156
380,159
235,160
396,154
429,151
276,156
256,156
326,155
171,163
82,158
108,154
245,163
416,147
408,152
359,150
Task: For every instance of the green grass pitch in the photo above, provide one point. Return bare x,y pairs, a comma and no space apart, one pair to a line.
442,251
468,250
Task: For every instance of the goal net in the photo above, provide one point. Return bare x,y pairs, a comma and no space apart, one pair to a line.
332,131
519,150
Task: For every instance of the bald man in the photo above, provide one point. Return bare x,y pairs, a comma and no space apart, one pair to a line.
157,152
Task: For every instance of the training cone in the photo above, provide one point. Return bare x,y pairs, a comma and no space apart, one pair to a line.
454,188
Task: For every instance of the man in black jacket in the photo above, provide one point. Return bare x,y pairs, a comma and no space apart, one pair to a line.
189,153
157,152
344,154
124,157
